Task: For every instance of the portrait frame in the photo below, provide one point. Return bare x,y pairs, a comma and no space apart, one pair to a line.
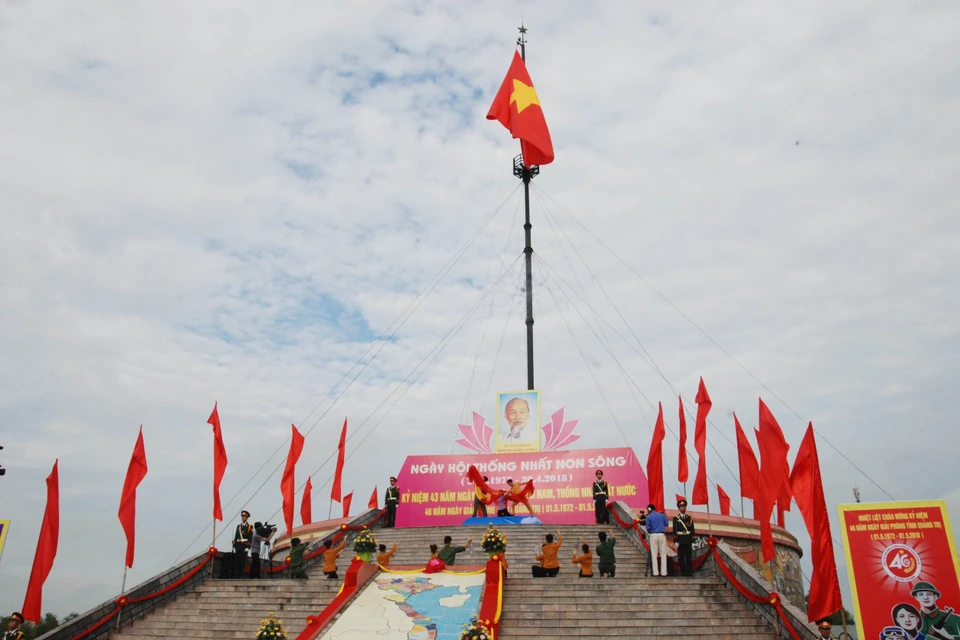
532,436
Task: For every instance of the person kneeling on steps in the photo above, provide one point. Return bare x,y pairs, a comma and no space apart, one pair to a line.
549,565
330,558
585,561
608,560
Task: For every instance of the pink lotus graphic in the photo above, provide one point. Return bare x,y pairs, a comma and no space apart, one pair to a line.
557,433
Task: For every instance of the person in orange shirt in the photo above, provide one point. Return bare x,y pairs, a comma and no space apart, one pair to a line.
549,565
384,558
585,561
330,558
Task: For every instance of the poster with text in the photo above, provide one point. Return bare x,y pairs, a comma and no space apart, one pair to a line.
518,422
902,563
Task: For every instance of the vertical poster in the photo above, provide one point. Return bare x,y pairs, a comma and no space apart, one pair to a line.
518,422
4,527
902,563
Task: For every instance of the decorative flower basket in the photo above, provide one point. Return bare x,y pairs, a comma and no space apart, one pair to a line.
271,629
475,630
494,541
365,545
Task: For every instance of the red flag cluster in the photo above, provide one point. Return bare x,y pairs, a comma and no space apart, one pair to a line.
769,482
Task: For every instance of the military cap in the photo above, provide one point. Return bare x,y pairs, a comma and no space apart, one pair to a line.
682,502
16,615
825,624
924,586
393,478
245,513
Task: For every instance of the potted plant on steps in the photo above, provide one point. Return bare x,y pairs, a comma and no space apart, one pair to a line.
475,630
271,629
365,545
494,541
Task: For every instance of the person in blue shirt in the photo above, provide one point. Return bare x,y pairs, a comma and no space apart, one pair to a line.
657,528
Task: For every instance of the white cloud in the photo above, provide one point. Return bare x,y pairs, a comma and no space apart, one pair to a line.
227,203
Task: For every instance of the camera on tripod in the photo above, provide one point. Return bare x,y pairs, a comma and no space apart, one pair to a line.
265,530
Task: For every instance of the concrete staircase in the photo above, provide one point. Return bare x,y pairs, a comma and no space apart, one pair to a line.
629,605
234,609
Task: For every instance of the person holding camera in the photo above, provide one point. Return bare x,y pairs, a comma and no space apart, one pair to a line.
241,543
261,535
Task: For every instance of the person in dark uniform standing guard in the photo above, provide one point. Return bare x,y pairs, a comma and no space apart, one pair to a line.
13,627
242,538
601,490
685,533
391,502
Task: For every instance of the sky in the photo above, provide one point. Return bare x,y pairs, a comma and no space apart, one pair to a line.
225,202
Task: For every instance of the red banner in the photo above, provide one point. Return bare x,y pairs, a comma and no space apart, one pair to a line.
902,564
434,491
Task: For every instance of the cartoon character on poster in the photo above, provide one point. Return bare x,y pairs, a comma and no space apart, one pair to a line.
902,564
518,422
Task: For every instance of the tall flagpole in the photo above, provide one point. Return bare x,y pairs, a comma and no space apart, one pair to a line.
123,587
527,174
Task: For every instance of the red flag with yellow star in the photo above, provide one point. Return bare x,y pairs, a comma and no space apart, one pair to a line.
517,107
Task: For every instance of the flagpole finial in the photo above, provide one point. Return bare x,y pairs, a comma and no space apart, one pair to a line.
522,40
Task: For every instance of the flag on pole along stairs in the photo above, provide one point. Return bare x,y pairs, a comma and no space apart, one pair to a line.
807,488
517,107
336,490
724,501
749,469
136,471
655,463
372,502
306,506
219,461
46,549
287,482
683,472
774,471
347,500
783,504
700,493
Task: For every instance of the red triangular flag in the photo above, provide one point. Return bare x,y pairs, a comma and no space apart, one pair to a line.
306,506
783,504
724,501
774,471
700,493
749,469
347,499
287,482
683,472
46,549
372,502
336,489
219,461
127,513
807,488
655,463
517,107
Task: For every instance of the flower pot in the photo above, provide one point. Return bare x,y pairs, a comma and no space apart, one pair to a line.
365,555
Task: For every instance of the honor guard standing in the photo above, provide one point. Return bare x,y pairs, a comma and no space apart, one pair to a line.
391,502
825,632
601,490
242,538
685,533
13,627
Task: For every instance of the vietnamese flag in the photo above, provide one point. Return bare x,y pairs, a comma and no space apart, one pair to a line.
347,499
655,463
704,404
219,461
807,488
336,489
517,107
136,471
683,472
306,507
724,501
372,502
46,549
287,483
774,471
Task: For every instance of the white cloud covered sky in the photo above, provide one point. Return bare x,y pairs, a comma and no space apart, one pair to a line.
229,201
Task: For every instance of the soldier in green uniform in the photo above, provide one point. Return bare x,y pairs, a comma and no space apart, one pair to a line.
601,491
296,559
241,543
448,553
390,503
937,623
608,559
13,627
684,533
